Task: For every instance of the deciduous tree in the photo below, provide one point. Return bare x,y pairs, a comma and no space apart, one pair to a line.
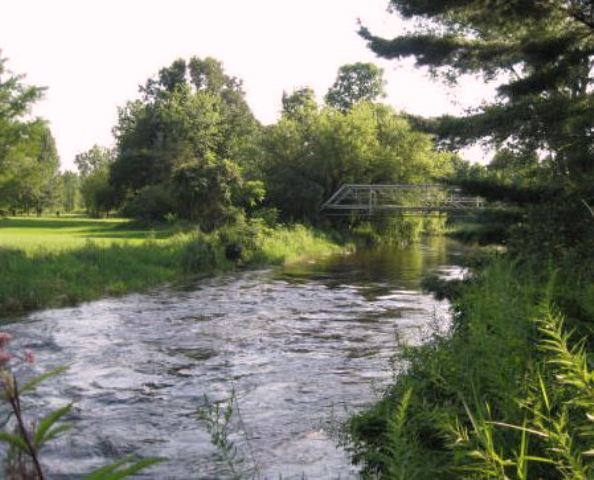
355,83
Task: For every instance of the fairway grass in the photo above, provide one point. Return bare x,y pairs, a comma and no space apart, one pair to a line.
55,262
73,231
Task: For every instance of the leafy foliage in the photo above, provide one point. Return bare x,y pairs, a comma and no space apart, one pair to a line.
182,137
359,82
28,157
97,194
306,158
539,53
506,395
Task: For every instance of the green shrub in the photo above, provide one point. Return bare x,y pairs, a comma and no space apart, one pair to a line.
154,202
199,255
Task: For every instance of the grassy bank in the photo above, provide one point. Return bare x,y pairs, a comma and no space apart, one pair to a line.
59,262
509,394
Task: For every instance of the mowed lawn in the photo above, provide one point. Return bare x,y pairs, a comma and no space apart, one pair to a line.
33,234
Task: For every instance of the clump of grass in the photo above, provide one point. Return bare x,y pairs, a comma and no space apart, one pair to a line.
297,242
47,278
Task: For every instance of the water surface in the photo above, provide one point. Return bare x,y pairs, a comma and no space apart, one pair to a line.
301,346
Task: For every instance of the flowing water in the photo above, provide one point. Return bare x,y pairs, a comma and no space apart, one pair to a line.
302,346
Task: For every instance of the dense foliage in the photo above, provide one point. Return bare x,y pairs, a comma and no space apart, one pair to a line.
96,192
28,157
539,53
508,393
356,83
190,147
181,144
312,151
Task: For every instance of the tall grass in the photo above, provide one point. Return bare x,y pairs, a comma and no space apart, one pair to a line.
508,394
50,277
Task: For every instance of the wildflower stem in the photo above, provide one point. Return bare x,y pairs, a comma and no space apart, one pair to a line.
15,402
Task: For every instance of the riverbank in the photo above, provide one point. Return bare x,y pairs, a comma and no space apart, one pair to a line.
50,262
507,394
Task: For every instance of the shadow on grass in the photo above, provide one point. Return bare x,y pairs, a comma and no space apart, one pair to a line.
117,229
127,234
51,223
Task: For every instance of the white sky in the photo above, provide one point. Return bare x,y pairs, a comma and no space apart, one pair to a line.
93,54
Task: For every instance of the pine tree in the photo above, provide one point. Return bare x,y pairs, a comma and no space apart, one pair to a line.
540,51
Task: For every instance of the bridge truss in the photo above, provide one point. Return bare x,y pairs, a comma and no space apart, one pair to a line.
404,199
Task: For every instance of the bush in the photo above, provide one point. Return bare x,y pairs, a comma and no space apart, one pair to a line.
199,255
245,238
154,202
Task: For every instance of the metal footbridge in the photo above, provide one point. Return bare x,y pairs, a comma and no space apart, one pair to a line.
356,199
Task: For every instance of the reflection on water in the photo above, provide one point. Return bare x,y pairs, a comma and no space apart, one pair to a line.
300,345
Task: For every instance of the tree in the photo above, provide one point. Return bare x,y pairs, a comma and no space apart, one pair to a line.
356,83
541,55
193,120
28,156
69,191
299,104
30,170
206,189
97,194
207,77
305,160
16,100
154,138
93,159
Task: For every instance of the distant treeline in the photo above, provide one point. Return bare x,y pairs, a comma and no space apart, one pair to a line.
190,148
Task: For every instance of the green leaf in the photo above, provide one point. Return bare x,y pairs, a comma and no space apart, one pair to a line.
122,469
41,433
14,440
54,432
103,472
32,384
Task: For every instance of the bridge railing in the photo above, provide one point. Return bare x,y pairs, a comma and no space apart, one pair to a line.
372,199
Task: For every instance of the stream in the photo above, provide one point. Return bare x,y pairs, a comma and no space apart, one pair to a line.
302,346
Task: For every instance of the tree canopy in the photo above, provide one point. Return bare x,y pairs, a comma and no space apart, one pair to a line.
539,52
355,83
307,157
184,139
28,157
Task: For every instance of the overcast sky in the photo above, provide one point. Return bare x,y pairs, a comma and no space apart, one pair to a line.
93,54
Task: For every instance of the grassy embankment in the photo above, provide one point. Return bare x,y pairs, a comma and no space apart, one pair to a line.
51,262
509,394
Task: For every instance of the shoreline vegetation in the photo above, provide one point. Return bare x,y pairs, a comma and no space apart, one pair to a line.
507,393
57,262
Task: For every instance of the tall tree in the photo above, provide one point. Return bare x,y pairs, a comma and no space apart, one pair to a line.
305,159
356,83
300,103
28,156
95,158
541,54
93,165
69,191
187,133
16,100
